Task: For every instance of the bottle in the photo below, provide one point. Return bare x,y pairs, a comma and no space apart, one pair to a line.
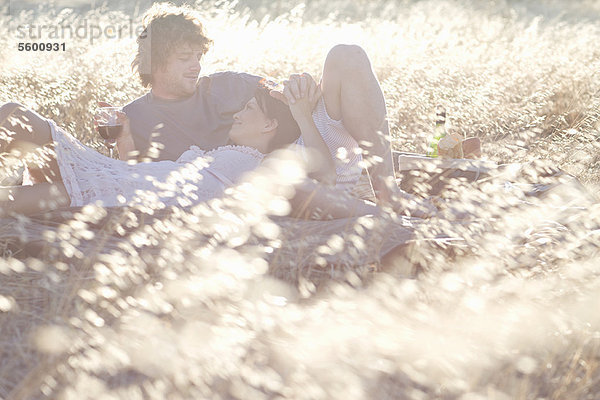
439,132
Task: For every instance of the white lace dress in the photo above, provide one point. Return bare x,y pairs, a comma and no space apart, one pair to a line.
195,177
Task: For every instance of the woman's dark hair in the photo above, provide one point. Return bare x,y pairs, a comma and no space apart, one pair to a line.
166,27
287,128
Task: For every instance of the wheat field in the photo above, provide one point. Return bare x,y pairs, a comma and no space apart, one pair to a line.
513,317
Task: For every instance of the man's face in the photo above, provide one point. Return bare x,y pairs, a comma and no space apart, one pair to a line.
177,79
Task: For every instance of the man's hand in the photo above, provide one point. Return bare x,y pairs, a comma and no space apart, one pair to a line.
123,120
97,116
100,104
298,87
125,143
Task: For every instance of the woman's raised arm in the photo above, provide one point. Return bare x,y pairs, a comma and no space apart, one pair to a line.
301,108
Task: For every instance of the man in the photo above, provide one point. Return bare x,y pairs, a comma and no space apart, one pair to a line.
181,109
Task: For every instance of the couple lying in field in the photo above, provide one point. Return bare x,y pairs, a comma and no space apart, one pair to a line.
211,130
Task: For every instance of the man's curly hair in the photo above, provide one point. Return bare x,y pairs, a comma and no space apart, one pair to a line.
166,27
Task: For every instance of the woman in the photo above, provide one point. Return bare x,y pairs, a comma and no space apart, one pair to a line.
86,176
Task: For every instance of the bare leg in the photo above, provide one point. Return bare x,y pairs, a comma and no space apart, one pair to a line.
28,128
25,133
33,199
352,93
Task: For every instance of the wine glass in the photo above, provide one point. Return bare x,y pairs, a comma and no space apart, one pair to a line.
108,126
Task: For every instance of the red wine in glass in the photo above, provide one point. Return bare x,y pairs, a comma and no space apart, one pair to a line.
110,133
108,128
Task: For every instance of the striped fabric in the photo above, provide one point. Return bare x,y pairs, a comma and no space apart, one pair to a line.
343,147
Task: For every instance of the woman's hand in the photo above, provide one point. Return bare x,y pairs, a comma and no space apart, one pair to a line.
301,109
297,87
301,93
300,86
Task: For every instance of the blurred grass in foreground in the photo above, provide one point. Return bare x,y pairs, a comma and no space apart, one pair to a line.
516,319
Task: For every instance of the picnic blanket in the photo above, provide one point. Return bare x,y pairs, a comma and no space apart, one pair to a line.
292,247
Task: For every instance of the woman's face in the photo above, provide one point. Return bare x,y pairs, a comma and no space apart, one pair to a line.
250,125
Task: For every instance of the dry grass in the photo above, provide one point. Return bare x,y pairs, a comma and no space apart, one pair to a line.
512,316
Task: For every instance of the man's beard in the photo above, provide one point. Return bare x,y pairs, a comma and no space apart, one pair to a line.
181,87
